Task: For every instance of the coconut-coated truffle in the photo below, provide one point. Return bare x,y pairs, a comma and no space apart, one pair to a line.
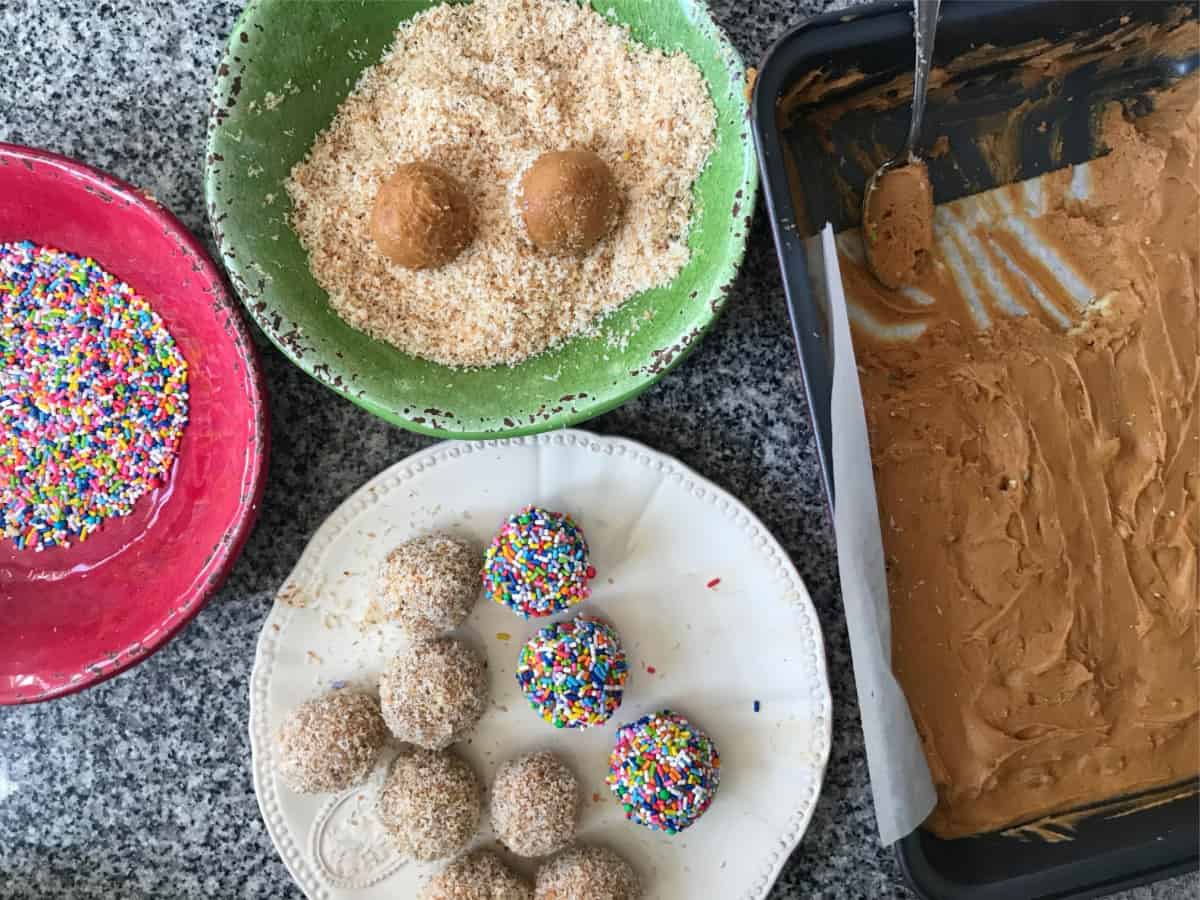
431,804
434,693
331,742
587,873
535,804
428,585
477,876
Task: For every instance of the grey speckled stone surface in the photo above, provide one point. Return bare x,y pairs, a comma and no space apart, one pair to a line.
140,788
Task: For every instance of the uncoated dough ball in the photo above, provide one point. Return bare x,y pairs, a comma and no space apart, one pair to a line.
477,876
422,217
429,584
434,693
587,873
431,804
568,200
331,742
535,804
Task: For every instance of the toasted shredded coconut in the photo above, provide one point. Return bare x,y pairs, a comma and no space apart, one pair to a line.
431,804
330,742
482,90
427,585
596,873
434,693
535,804
477,876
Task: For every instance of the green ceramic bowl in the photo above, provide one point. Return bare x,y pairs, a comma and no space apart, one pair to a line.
289,65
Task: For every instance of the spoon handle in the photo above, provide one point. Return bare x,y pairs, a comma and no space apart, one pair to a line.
925,16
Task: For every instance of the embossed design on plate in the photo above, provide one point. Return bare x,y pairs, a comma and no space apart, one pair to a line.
351,847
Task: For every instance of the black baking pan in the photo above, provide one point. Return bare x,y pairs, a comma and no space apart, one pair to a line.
812,176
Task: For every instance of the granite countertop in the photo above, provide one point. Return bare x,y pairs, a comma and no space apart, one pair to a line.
140,787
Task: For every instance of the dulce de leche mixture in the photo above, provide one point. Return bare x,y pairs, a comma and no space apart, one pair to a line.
1038,477
897,224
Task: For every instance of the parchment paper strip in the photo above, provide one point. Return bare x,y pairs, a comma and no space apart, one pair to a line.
900,783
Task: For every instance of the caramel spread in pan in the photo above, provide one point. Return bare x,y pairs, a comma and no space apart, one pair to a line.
1036,442
817,101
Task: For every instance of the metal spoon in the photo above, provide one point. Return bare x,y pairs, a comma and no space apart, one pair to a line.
925,16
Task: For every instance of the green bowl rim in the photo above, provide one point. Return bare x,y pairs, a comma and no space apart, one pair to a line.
646,376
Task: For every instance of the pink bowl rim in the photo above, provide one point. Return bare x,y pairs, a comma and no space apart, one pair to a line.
229,550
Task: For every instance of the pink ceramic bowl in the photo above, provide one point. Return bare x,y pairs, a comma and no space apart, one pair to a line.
72,617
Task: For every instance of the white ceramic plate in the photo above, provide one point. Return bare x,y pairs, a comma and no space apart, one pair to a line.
660,536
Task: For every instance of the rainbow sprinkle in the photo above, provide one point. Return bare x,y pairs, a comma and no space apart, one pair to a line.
573,673
93,396
538,564
664,771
